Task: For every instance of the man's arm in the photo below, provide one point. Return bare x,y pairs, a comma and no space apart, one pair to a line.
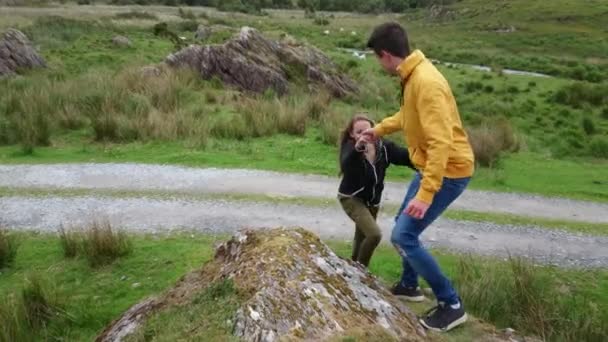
433,108
388,125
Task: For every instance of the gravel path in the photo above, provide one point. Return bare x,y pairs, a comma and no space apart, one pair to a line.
151,215
175,178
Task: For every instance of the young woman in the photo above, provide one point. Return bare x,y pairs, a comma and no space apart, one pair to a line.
363,167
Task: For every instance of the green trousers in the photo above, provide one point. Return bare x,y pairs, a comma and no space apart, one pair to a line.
367,232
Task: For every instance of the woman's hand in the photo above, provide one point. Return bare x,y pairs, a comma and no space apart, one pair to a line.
361,144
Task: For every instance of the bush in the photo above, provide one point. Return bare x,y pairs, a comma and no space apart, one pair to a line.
578,94
8,248
321,21
488,89
598,147
588,126
136,15
186,14
604,114
472,86
188,26
491,139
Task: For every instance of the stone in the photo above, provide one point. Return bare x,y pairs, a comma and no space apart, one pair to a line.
251,62
289,290
17,53
202,33
121,41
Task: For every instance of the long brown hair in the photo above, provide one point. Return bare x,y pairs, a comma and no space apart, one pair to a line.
345,134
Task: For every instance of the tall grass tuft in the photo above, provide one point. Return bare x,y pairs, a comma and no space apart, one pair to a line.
98,242
40,302
491,139
515,295
8,248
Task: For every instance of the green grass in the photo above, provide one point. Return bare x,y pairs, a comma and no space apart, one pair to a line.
99,295
599,229
93,297
523,172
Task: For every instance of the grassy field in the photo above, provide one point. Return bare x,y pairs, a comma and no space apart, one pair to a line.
562,305
548,134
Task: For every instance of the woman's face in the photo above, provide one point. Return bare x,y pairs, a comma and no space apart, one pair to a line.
358,128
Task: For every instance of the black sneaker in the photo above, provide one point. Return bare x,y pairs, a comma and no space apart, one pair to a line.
444,318
412,294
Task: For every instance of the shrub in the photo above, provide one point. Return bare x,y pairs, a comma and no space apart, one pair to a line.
491,139
588,126
578,94
472,86
598,147
133,14
188,26
321,21
8,248
604,114
186,14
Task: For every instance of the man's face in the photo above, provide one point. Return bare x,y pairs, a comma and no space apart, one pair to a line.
387,61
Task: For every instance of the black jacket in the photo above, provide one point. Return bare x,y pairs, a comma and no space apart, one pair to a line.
365,180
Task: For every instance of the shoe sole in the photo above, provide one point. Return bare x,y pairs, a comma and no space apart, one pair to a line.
451,326
412,299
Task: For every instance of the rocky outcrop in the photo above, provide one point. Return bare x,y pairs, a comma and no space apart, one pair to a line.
251,62
17,53
293,288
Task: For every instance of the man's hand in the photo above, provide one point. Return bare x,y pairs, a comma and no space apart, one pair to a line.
370,134
416,209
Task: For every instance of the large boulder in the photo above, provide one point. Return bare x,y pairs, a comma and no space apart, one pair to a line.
292,288
251,62
16,53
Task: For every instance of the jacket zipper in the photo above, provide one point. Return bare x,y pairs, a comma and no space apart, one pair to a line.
376,180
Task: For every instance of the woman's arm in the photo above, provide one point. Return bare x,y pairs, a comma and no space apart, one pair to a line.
398,155
348,155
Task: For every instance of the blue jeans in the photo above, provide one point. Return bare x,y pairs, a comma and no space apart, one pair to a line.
405,237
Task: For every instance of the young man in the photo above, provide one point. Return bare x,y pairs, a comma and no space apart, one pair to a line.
440,150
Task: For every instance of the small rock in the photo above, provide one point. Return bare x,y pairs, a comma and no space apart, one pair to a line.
254,314
123,278
326,32
353,33
150,71
202,32
121,41
509,332
135,285
472,237
341,29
